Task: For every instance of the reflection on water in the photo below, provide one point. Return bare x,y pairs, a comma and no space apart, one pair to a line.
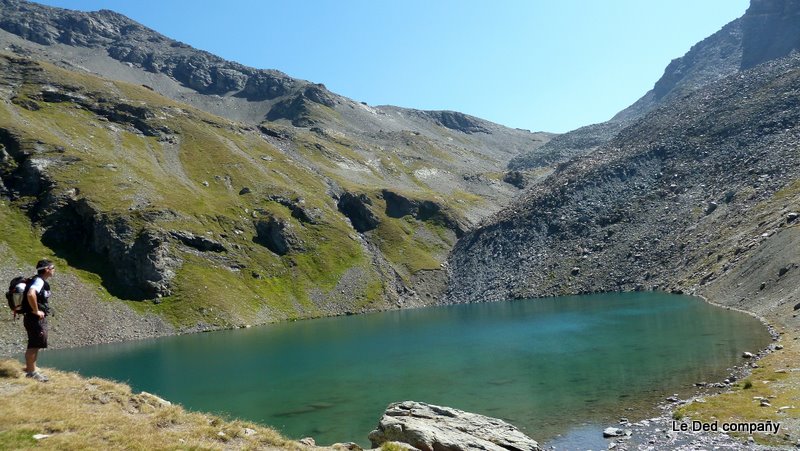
547,366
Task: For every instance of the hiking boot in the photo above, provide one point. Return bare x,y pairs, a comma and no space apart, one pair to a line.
37,376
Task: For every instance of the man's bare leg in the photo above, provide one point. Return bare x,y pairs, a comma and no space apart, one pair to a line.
30,359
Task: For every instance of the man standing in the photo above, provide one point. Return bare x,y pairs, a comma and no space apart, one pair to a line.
36,308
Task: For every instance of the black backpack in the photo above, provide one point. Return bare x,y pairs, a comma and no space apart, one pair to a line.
16,296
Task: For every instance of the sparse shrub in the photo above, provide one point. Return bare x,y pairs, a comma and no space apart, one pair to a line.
748,385
9,368
392,447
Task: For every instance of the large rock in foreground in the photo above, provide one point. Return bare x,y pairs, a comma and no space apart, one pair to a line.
428,427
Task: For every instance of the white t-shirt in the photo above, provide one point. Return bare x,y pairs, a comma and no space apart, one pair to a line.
37,285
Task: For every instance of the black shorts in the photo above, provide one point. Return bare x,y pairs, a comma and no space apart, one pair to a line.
37,331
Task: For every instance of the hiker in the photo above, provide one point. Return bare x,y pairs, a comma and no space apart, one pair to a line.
36,308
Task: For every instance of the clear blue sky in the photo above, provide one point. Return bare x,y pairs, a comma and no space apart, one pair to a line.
549,65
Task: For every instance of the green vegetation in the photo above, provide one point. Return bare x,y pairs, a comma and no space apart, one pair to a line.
773,381
791,190
21,239
18,439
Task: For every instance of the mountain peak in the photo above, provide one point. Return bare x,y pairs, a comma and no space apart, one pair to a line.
771,30
133,43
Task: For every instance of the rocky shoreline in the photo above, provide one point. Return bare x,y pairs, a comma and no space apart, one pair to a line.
659,432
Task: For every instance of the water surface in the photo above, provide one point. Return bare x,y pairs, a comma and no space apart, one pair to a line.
547,366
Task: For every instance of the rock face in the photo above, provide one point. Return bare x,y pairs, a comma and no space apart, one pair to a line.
137,258
298,209
428,427
357,208
770,31
200,243
277,236
398,206
457,121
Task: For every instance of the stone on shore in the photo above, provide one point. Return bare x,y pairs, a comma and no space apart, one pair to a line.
429,427
615,432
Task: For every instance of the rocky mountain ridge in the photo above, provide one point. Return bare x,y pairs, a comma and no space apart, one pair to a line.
112,46
682,199
700,196
659,188
130,42
175,69
765,32
713,58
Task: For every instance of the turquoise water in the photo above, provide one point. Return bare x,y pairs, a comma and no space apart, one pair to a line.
547,366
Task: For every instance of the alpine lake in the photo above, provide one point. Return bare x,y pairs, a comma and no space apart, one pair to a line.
560,369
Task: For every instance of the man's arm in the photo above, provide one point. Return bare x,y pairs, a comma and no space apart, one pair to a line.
34,303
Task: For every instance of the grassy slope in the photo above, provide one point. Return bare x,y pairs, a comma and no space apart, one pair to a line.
195,177
121,172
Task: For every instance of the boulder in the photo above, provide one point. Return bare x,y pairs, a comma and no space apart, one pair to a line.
428,427
615,432
198,242
516,179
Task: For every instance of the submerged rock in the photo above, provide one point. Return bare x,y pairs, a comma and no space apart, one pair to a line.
429,427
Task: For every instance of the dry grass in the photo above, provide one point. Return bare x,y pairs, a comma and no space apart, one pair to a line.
77,414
